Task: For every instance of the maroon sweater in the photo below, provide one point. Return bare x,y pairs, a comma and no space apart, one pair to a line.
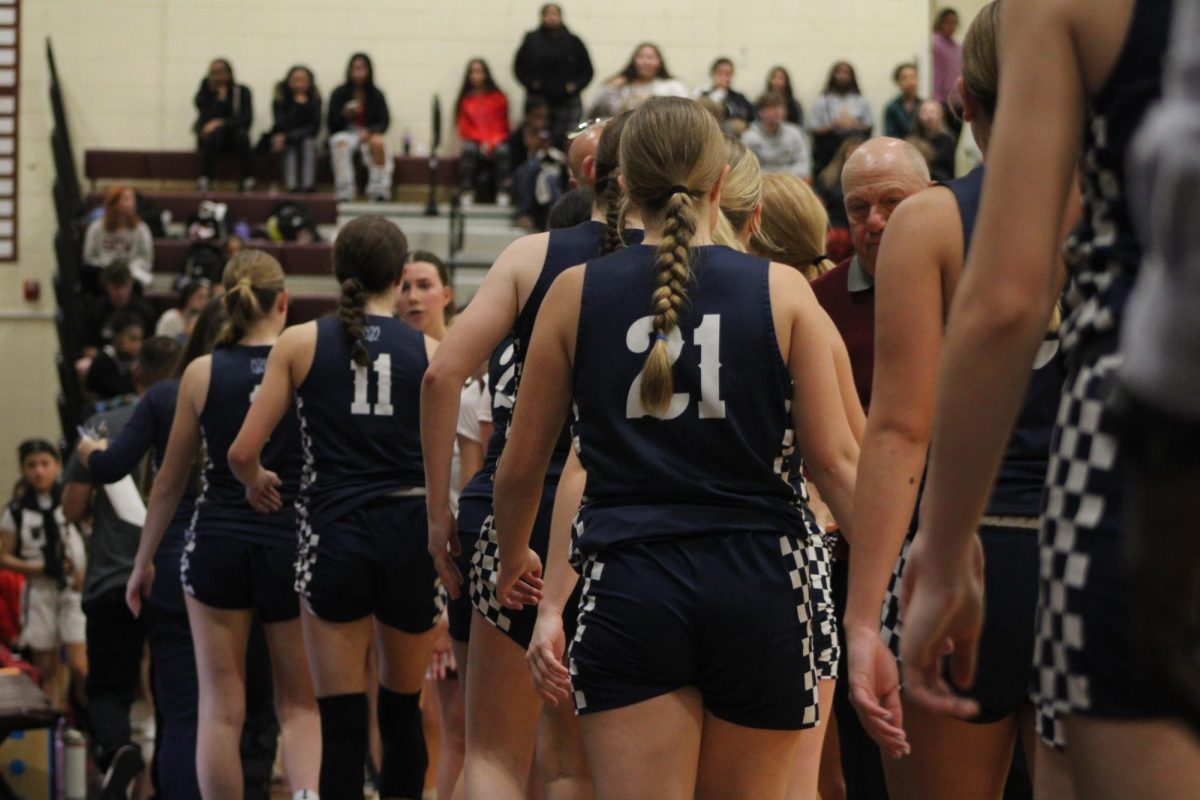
854,315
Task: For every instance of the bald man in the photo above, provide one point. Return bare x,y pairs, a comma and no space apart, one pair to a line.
583,146
882,172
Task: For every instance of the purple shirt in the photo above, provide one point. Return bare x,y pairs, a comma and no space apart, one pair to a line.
947,66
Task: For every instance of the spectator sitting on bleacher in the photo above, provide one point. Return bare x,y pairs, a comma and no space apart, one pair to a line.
940,145
120,235
482,117
779,145
116,281
111,371
37,540
358,120
177,323
226,112
297,109
542,177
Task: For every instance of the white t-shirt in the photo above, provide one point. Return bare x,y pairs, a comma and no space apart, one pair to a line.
31,535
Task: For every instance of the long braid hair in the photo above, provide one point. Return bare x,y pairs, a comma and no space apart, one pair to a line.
672,154
608,188
368,257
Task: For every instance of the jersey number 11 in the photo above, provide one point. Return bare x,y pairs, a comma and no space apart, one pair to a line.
383,387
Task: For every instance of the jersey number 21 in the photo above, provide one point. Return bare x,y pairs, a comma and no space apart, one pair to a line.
706,336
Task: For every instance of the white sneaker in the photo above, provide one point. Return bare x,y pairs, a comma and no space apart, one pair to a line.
466,199
503,199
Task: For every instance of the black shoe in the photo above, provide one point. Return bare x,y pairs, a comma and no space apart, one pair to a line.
126,765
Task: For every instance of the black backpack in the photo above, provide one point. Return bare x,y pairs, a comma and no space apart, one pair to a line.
292,217
202,259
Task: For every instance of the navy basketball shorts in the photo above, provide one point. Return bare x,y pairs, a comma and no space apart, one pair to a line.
726,613
472,512
1084,656
232,573
372,561
818,562
485,565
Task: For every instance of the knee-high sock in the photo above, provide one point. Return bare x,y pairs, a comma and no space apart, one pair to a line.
343,745
405,757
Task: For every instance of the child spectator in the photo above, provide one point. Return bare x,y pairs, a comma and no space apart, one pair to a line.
358,118
645,76
931,130
482,115
36,540
779,80
900,116
779,145
226,112
840,112
120,235
738,112
117,282
177,323
111,372
297,110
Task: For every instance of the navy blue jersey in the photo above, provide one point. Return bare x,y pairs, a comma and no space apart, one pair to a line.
502,383
1104,252
1018,489
716,461
222,509
361,425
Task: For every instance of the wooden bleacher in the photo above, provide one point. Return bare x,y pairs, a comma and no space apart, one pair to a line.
296,258
254,207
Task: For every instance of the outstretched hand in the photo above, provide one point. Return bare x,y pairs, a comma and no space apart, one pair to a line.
941,602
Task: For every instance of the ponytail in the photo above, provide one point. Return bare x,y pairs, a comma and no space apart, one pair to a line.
673,271
253,281
352,318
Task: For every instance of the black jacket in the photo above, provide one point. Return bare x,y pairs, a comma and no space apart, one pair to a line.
299,121
736,105
236,109
549,60
377,117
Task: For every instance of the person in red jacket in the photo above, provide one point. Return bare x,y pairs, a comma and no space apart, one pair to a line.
482,114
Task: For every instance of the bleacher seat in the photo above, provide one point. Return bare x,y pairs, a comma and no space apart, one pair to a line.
301,307
295,258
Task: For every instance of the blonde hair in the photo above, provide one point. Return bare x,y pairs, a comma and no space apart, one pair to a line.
740,194
794,225
672,154
253,280
981,60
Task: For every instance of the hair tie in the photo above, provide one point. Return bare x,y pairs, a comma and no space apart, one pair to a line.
245,281
817,261
660,337
674,190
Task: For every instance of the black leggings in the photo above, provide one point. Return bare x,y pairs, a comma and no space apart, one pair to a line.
227,139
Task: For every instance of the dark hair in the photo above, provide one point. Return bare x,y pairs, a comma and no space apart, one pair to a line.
123,320
607,189
116,274
489,85
431,258
189,288
253,280
853,77
283,92
157,359
787,78
235,96
368,256
546,7
900,68
204,333
369,83
941,17
771,100
719,62
31,447
571,209
630,74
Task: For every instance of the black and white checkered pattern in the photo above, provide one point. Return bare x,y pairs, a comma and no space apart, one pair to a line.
189,536
590,569
890,627
1084,450
796,558
826,649
485,566
306,551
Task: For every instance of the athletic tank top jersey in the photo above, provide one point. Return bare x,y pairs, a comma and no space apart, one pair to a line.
1022,476
715,461
237,372
359,425
1104,252
502,382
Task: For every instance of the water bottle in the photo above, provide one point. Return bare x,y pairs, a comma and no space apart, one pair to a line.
407,142
75,765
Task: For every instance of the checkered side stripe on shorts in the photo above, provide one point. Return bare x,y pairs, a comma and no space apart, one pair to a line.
306,551
485,566
818,564
795,558
1083,447
189,536
590,570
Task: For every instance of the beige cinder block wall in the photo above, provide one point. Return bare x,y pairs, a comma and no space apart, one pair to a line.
130,67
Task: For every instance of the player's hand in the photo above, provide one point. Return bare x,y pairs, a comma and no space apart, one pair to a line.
442,663
875,689
443,548
545,657
519,580
87,446
263,494
941,602
138,586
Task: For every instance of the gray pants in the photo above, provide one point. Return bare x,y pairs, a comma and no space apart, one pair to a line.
342,147
300,165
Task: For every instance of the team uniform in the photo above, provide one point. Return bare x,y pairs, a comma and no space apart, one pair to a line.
818,565
363,526
1008,530
567,247
233,556
691,539
1084,656
51,609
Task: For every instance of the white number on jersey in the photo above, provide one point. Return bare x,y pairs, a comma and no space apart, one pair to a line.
383,376
708,338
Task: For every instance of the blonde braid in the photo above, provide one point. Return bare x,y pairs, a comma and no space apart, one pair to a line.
673,268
